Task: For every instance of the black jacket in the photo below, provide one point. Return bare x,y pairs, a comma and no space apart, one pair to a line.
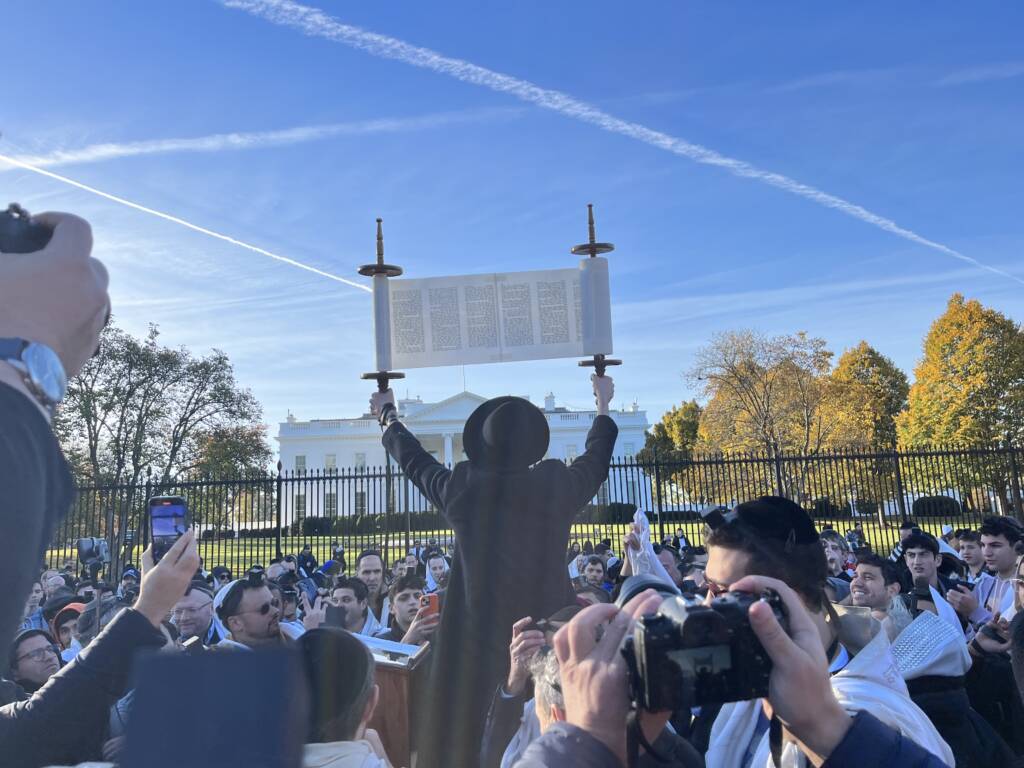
512,529
65,721
37,492
868,742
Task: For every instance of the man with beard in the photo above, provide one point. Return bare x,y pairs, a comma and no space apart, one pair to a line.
250,614
497,495
193,614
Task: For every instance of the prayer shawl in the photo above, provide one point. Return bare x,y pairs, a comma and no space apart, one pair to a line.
870,682
929,646
218,600
643,560
385,617
432,585
372,627
946,611
994,596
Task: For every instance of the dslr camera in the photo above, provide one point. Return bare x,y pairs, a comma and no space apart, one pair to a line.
688,654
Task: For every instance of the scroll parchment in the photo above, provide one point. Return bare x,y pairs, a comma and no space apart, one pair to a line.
493,318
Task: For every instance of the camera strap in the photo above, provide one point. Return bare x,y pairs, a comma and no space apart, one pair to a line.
635,739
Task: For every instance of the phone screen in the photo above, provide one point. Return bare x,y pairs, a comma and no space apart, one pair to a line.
168,522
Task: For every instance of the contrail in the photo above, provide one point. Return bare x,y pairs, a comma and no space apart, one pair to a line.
236,141
316,23
182,222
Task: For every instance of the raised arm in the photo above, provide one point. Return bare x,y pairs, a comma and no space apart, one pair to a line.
425,472
591,469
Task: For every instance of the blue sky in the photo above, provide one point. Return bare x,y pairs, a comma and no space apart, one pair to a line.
913,111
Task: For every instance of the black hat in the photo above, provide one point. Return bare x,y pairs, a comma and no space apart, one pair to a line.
768,518
506,433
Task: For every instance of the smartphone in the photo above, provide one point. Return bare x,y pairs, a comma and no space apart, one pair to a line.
168,521
432,603
88,595
540,625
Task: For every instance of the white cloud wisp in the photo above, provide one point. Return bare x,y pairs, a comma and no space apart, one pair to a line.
220,142
316,23
181,222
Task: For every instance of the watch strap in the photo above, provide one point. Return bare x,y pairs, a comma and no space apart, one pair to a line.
11,347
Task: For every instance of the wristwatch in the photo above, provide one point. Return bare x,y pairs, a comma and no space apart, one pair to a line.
40,369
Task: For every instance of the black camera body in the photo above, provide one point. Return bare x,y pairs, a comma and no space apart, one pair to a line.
19,234
689,654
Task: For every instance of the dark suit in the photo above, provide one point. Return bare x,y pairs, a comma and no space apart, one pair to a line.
512,529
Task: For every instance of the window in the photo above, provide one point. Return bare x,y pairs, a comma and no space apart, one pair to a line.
602,493
360,461
331,462
331,503
360,502
629,449
300,505
571,452
631,492
300,464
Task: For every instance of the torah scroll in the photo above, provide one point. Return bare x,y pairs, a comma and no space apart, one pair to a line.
493,318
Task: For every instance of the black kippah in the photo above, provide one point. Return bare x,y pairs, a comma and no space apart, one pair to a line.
777,518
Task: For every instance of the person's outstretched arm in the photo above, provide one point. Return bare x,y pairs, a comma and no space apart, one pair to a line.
425,472
591,469
65,721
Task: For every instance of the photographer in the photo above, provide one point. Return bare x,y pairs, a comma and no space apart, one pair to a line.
775,537
65,721
595,692
53,304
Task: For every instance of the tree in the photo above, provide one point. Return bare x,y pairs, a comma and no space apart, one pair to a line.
765,393
969,389
969,386
674,437
875,393
139,405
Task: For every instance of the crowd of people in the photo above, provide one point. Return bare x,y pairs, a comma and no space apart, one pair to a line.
913,657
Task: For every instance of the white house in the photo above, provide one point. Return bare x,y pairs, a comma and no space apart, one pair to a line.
347,447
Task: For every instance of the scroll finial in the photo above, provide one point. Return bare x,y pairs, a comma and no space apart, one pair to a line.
380,241
591,248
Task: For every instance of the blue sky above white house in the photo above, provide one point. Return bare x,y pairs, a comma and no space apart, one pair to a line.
913,111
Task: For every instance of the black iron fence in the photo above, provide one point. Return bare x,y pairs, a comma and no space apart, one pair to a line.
251,519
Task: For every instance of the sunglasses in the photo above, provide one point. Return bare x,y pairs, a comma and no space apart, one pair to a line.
264,609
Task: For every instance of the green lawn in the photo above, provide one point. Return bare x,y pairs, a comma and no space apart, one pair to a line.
239,554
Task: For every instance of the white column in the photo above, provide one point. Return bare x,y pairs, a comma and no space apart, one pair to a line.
448,449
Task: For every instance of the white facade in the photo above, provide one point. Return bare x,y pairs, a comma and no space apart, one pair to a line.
326,446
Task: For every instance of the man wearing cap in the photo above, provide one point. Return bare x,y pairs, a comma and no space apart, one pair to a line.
34,658
775,537
129,583
193,614
497,495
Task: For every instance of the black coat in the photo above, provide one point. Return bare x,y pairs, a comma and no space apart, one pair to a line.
66,720
512,529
